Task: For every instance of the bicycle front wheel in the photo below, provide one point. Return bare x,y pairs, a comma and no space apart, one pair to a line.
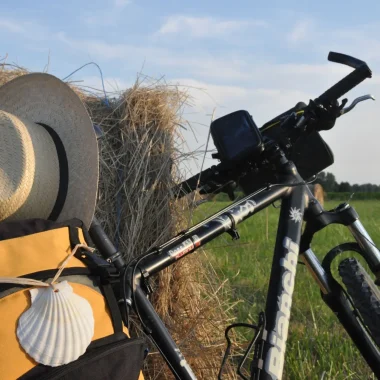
364,294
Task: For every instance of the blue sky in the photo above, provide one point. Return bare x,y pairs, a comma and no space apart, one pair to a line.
259,56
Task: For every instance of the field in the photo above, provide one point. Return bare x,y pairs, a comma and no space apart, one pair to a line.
318,347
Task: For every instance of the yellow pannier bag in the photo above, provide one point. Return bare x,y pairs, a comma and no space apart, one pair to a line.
34,249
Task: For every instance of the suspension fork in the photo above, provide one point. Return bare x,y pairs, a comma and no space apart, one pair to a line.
317,219
368,247
332,292
336,299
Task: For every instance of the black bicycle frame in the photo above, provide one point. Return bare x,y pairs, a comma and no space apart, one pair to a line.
225,221
282,279
280,292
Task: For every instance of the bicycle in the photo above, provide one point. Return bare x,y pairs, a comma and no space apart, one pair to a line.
268,164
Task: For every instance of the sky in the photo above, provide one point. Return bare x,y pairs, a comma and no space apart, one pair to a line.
263,57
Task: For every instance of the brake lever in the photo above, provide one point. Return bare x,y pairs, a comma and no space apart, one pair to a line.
355,102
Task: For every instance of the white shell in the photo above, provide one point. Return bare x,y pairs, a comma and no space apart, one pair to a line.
58,327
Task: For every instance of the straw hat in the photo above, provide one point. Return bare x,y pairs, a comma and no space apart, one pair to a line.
48,151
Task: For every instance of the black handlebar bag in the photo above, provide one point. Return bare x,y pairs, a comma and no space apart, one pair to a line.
310,153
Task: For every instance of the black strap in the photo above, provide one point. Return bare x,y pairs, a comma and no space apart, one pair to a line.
20,228
63,173
74,236
99,266
113,307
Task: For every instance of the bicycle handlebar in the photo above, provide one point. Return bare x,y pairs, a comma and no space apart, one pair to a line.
361,72
210,180
345,59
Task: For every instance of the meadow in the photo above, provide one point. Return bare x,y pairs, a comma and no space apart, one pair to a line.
318,347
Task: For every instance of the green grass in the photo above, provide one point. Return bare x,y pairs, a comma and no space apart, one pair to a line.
317,347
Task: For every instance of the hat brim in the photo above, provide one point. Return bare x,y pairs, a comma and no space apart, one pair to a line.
43,98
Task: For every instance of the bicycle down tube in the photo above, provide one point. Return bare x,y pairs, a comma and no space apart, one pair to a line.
281,285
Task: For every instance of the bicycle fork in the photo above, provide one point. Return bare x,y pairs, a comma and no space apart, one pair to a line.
336,299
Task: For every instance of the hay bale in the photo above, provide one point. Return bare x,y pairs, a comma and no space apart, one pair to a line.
137,169
10,71
319,193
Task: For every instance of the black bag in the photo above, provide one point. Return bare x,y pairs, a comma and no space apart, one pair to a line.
112,358
310,153
34,249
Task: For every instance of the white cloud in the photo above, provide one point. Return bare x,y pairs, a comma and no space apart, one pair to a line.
122,3
109,16
28,29
264,103
202,26
99,49
96,19
11,26
201,65
302,31
362,42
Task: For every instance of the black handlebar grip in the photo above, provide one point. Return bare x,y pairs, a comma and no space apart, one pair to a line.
345,85
345,60
104,244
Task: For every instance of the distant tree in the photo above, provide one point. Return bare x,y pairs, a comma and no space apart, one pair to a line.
321,177
344,187
355,188
327,180
329,184
365,188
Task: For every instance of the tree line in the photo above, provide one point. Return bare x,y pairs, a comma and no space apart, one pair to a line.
328,182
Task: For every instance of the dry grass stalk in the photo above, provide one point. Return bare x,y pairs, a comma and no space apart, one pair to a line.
138,166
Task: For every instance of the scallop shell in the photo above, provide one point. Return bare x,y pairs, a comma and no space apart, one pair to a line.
58,327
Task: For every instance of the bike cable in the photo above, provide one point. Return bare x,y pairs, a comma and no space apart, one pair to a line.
369,241
134,288
124,280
